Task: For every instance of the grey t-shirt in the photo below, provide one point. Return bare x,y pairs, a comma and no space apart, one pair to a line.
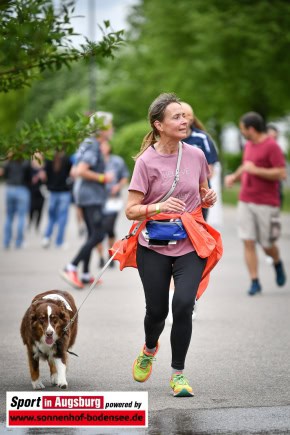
119,168
87,192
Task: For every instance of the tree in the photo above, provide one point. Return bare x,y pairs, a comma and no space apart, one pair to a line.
34,38
52,136
224,57
55,94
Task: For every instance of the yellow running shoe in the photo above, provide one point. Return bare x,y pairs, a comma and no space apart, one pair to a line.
180,386
142,366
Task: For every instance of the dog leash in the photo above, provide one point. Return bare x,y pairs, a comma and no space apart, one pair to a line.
93,285
72,353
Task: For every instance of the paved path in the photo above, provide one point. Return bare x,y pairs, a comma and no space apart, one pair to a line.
238,361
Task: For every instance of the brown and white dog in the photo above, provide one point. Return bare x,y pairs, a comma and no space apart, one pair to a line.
42,331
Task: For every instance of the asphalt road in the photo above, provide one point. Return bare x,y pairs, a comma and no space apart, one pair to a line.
238,361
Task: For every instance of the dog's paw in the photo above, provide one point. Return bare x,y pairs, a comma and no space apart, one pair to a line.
37,385
53,379
62,385
62,382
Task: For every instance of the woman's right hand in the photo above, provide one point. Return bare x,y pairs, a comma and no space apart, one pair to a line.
172,205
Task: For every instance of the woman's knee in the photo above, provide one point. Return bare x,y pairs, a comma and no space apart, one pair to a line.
157,315
182,307
96,237
111,234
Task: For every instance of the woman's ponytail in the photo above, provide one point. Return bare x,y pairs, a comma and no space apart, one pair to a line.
148,140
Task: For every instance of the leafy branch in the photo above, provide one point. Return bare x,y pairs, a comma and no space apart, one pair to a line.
34,37
54,135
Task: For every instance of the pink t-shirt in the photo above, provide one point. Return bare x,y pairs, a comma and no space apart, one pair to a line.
153,176
258,190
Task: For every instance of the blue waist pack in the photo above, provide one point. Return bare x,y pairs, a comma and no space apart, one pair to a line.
166,230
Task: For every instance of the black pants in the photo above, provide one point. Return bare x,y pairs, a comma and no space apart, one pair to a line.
110,221
94,220
36,207
204,213
156,271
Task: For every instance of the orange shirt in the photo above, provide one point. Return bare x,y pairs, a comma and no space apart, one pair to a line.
205,239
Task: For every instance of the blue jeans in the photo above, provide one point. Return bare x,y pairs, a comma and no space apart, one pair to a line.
58,208
17,204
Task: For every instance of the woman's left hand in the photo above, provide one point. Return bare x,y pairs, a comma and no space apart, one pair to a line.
208,197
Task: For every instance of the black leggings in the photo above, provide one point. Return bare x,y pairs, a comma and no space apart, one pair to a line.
156,271
110,221
94,220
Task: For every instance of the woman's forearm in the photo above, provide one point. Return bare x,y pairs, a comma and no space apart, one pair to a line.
141,212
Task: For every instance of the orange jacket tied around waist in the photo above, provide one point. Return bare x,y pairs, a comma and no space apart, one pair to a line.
206,241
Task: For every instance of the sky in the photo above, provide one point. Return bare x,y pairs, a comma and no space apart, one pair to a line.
115,11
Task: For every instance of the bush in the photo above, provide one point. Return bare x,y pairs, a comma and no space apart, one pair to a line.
231,162
127,141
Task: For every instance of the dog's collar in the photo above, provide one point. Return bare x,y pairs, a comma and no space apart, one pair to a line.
59,297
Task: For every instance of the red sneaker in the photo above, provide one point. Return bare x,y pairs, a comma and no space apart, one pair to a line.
71,277
91,280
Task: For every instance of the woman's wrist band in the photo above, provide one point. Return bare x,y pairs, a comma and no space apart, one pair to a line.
101,178
146,212
157,209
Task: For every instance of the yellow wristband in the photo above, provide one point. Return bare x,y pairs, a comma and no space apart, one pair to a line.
101,178
157,208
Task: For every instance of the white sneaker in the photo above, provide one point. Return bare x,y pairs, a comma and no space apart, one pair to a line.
45,242
269,260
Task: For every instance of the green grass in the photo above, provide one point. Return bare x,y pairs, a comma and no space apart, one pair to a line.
230,197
